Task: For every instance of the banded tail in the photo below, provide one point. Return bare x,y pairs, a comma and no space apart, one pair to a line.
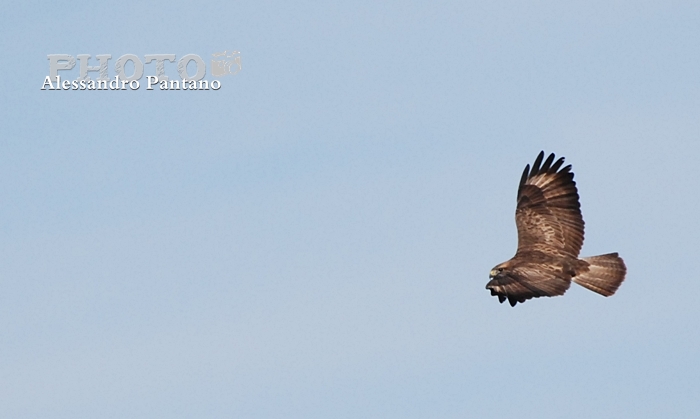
604,275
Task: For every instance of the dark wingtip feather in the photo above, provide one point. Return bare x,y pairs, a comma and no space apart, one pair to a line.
548,166
548,163
501,299
557,165
537,163
524,177
512,301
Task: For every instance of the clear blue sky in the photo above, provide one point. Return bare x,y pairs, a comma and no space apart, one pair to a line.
313,240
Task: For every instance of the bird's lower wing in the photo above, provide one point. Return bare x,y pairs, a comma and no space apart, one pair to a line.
525,283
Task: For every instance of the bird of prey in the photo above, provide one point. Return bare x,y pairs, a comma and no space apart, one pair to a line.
550,236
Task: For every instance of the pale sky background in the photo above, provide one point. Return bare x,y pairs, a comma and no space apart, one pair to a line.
313,240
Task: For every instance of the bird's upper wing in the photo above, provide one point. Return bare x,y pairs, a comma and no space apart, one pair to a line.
548,214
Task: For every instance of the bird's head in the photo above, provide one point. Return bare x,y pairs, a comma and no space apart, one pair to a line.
501,284
498,271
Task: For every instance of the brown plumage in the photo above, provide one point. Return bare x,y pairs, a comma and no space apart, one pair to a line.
550,236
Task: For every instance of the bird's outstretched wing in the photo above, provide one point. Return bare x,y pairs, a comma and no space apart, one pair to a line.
548,214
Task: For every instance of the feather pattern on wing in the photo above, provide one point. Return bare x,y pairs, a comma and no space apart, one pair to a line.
548,214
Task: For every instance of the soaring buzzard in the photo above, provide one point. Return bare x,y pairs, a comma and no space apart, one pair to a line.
550,236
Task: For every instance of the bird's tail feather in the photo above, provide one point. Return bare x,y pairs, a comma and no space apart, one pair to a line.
604,275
